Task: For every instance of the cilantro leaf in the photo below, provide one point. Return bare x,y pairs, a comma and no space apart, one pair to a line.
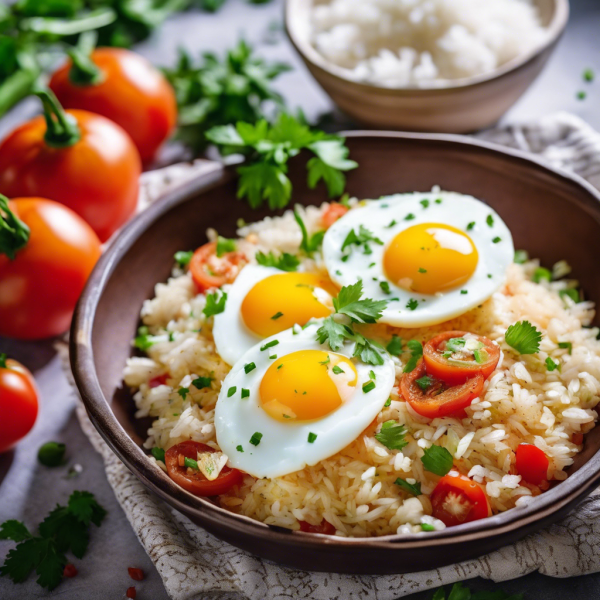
392,437
414,489
333,333
364,236
437,460
416,352
263,181
14,530
284,262
309,243
84,506
334,180
551,365
202,382
215,303
369,351
458,592
144,340
51,565
395,345
23,559
348,302
523,337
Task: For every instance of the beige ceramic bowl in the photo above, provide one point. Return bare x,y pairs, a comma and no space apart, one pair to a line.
468,105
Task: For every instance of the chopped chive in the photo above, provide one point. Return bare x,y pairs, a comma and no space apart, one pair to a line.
388,402
268,345
239,448
276,316
490,220
567,345
183,392
338,272
312,437
424,203
372,265
521,257
409,217
367,387
249,367
470,225
345,257
202,382
372,374
231,391
464,291
279,366
422,270
337,370
541,274
427,527
385,286
412,304
551,365
273,356
438,201
581,95
245,393
391,223
255,439
158,453
190,463
497,239
489,275
588,75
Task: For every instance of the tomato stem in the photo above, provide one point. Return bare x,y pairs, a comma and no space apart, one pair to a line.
84,71
14,234
3,358
62,129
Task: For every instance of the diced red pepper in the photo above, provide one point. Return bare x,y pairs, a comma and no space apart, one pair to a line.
135,573
131,592
70,570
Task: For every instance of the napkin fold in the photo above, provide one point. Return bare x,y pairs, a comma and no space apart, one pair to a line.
196,565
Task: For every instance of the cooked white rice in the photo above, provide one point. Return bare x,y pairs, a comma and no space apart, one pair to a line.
354,490
400,43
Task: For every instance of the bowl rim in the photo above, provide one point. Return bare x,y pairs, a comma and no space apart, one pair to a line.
312,57
133,456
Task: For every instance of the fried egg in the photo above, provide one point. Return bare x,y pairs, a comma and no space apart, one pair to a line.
263,301
432,256
291,402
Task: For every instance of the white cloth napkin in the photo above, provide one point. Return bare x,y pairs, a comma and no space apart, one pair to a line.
195,565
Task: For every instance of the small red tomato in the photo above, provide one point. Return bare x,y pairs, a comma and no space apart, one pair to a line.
131,592
70,570
456,499
123,87
532,464
18,402
211,271
77,158
333,213
135,573
40,285
324,527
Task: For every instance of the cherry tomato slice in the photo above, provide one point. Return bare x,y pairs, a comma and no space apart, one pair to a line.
194,481
333,213
454,371
457,499
323,527
211,271
532,464
18,403
438,400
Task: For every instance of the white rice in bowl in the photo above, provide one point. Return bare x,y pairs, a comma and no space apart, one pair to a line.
354,490
403,43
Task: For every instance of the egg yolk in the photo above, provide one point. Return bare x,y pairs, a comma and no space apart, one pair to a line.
307,385
278,302
430,258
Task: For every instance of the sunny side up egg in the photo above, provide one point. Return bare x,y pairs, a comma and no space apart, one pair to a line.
432,256
263,301
292,402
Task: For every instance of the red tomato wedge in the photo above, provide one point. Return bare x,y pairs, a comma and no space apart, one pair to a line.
532,464
445,361
211,271
457,499
333,213
194,481
324,527
437,399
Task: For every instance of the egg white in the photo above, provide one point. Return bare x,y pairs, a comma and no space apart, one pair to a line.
455,209
284,447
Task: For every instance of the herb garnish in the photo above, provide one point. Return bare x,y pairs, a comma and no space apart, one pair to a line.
183,258
437,460
202,382
158,453
312,437
523,337
224,245
309,243
269,345
255,439
284,262
551,365
215,303
416,352
395,345
391,436
414,489
364,236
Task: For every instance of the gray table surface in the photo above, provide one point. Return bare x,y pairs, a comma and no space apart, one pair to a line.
28,491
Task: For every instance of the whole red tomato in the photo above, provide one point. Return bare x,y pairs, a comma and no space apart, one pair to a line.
40,286
18,402
125,88
77,158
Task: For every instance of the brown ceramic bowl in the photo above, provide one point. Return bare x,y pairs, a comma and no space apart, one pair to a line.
552,214
467,105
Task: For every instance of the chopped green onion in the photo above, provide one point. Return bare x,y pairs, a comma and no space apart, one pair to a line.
224,245
490,220
496,240
190,463
269,345
571,293
249,367
367,387
521,257
276,316
471,225
409,217
183,258
337,370
567,345
255,439
202,382
414,489
239,448
424,382
245,393
388,402
541,274
158,453
427,527
424,203
551,365
231,391
312,437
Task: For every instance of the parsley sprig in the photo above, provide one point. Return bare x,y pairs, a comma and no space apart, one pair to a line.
64,529
268,148
523,337
215,303
392,435
349,303
437,460
284,262
215,91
